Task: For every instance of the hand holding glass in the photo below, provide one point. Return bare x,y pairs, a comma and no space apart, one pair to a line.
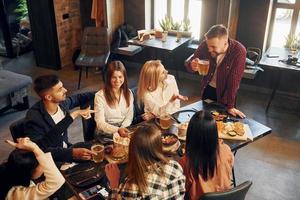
98,149
203,67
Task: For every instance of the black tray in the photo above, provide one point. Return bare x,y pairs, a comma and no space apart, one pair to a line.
85,174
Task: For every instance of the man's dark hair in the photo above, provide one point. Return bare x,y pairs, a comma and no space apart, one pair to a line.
215,31
45,82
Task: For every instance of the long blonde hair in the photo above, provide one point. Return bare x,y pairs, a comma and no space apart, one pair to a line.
149,78
145,155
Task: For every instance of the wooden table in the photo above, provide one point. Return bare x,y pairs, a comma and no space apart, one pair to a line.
276,64
170,45
258,130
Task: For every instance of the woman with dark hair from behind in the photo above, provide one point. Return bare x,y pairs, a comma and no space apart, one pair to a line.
208,162
26,163
149,174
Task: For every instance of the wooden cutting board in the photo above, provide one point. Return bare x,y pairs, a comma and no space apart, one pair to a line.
247,135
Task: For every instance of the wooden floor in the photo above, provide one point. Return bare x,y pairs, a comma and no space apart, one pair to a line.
272,163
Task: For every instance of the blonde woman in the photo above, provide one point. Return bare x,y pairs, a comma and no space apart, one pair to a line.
158,90
114,103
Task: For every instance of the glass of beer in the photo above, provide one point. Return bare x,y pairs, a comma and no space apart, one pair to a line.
165,121
98,149
203,67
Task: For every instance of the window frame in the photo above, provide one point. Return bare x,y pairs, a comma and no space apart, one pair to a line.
169,6
296,9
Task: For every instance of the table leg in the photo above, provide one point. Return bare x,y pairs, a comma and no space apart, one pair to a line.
276,83
233,174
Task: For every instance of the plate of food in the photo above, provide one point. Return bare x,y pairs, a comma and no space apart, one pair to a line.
169,139
218,116
233,130
170,142
116,154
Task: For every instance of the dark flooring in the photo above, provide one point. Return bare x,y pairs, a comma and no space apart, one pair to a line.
272,163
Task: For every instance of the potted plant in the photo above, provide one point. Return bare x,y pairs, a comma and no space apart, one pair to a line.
21,10
292,42
186,25
166,23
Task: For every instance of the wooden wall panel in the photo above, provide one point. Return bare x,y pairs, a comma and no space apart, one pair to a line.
115,14
209,15
135,13
233,18
252,22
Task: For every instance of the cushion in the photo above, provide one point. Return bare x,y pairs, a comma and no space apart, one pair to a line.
91,61
11,81
130,50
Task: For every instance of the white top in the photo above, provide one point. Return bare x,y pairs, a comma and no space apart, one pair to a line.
109,119
213,82
157,101
53,181
57,117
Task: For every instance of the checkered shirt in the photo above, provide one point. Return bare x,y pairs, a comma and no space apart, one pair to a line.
169,186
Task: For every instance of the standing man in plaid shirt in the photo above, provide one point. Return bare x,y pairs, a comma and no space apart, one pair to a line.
227,59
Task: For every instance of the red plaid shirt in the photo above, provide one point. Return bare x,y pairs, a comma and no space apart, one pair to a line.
229,73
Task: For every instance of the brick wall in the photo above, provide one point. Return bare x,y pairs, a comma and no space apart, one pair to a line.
68,25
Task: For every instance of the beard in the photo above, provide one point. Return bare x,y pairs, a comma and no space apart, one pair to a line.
216,54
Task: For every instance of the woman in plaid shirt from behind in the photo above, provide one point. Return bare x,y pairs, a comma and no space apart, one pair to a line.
149,174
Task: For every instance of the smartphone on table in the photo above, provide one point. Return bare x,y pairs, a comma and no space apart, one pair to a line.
94,191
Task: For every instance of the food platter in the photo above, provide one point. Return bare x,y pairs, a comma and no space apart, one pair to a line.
169,139
118,152
115,155
230,127
170,142
234,130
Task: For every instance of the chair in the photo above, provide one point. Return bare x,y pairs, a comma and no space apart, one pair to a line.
17,129
89,125
95,50
237,193
254,54
138,108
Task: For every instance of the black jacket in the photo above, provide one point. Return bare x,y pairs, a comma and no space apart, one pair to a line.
40,127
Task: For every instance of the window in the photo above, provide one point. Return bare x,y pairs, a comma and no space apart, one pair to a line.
282,26
286,20
179,10
160,10
287,1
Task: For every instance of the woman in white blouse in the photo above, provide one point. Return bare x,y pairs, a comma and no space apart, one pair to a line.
158,90
114,103
25,163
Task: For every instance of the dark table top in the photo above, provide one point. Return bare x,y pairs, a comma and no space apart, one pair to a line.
258,130
170,44
282,54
